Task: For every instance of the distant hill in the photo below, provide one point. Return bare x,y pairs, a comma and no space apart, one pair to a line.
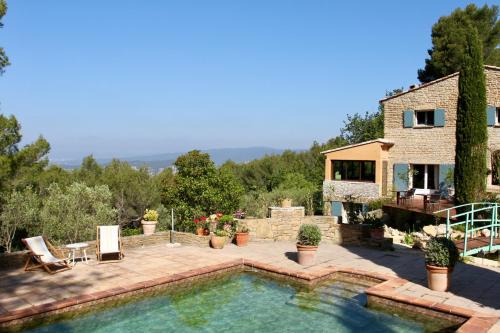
158,162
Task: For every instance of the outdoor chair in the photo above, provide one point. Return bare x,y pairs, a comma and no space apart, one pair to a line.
52,260
434,202
407,197
109,243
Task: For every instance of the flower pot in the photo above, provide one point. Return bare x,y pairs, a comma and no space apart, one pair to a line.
242,238
438,278
217,242
200,231
286,203
306,254
148,227
206,232
377,233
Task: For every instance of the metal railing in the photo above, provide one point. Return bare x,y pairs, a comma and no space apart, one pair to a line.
474,218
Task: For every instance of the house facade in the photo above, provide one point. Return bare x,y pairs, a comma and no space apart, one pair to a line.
418,148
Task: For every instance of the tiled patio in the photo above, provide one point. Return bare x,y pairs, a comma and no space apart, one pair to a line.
474,287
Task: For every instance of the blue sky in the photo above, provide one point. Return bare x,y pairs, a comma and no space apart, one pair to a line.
124,78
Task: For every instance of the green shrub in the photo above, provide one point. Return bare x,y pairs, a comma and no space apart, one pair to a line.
378,203
309,234
373,221
441,252
131,231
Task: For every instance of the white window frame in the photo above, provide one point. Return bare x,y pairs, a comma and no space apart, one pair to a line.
426,176
426,113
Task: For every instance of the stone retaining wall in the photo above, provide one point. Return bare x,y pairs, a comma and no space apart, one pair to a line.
287,228
17,259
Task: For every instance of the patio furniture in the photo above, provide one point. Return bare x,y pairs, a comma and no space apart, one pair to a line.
52,261
108,242
407,196
77,247
434,202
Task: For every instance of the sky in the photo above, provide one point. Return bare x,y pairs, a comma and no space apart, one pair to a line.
120,78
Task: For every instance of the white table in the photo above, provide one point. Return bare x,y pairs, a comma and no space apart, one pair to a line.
82,247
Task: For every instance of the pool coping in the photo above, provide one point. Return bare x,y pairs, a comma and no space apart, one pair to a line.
382,292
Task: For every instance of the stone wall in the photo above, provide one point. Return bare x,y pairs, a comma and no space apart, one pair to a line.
287,228
334,190
17,259
432,145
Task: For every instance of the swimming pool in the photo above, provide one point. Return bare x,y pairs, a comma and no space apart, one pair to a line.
245,302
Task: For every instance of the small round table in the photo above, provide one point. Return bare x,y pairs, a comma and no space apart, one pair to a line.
82,247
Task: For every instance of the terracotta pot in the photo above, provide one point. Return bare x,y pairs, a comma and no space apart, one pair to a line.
377,233
242,238
148,227
438,278
200,231
286,203
306,254
217,242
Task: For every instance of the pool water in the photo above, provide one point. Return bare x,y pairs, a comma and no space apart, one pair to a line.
244,302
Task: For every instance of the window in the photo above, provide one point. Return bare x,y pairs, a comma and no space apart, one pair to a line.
425,118
424,176
363,171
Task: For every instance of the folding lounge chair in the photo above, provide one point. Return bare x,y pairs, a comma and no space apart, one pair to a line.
40,256
108,242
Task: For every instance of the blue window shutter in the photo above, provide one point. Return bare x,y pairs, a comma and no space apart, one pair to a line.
400,183
444,169
408,118
492,115
337,208
439,119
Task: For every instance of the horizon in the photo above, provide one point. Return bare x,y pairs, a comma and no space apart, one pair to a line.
114,79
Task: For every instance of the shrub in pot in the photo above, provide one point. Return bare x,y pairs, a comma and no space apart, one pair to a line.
307,243
150,219
376,227
441,255
201,226
242,235
219,238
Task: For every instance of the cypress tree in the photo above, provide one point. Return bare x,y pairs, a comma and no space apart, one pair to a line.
471,127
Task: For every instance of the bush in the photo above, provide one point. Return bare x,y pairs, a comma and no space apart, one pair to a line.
71,215
131,232
373,221
309,234
377,203
441,252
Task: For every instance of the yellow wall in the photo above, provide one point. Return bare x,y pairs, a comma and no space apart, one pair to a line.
375,151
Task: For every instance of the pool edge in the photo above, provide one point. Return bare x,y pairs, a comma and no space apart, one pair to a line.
382,292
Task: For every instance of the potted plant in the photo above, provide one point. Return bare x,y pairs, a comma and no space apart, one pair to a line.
227,223
307,243
150,219
219,238
201,226
213,220
441,255
376,226
242,234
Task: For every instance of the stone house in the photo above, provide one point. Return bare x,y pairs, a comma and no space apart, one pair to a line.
418,148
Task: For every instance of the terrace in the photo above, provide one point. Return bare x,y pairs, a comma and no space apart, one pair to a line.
25,294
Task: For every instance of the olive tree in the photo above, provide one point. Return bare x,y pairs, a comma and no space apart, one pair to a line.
20,211
72,214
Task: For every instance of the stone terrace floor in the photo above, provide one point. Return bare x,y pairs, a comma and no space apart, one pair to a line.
473,287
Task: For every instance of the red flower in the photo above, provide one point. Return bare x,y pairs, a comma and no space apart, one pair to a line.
196,221
203,218
219,214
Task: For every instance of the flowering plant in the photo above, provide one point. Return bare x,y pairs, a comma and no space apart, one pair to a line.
150,215
215,217
228,224
201,222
